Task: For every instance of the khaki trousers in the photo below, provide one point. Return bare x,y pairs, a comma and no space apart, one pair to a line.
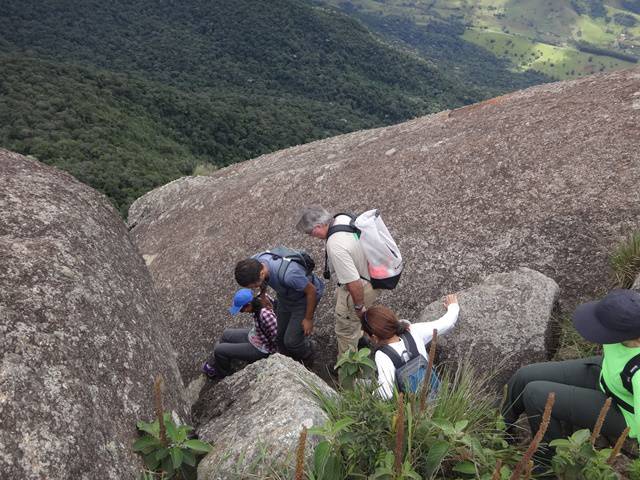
348,329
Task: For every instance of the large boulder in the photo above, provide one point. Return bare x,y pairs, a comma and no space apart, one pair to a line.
81,337
258,411
531,179
505,322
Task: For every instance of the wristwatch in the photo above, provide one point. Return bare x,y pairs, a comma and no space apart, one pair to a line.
358,307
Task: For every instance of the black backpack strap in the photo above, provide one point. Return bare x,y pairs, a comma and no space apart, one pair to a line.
351,228
629,370
617,400
393,355
282,269
410,345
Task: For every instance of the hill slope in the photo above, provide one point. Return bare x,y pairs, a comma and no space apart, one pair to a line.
206,82
531,178
561,39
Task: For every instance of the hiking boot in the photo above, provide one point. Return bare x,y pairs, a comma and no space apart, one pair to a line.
210,371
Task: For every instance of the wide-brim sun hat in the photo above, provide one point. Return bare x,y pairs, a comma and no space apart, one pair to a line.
613,319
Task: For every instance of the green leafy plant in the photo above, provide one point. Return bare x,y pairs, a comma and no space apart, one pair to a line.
354,364
625,261
387,470
634,470
576,458
166,447
459,434
175,456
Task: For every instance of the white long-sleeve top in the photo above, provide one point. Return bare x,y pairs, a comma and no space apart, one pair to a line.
422,333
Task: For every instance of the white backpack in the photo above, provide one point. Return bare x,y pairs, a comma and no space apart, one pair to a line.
383,255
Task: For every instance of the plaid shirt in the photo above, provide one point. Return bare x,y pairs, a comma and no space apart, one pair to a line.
264,332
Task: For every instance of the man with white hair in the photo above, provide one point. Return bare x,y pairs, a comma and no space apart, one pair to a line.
348,264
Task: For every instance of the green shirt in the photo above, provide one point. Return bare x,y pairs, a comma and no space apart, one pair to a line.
615,357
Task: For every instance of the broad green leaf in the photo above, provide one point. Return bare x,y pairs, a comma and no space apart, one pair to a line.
437,453
320,458
465,467
342,424
559,442
183,431
369,363
172,431
198,446
167,466
152,428
176,457
188,457
461,425
145,443
151,462
333,468
445,425
162,453
581,436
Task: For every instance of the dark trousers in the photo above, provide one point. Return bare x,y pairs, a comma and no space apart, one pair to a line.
234,345
578,398
291,338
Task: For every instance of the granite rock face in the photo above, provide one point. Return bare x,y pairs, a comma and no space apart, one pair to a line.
81,337
260,409
544,178
505,322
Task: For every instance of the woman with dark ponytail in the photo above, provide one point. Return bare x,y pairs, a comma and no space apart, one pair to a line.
384,328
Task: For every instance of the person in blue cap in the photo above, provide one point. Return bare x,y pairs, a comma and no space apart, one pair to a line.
582,386
245,344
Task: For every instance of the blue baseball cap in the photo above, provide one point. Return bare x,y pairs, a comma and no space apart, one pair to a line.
613,319
240,299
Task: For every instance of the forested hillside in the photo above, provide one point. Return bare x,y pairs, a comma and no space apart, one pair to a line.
128,95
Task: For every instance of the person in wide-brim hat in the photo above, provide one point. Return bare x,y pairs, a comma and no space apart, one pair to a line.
582,386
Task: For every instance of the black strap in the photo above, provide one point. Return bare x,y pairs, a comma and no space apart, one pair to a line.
629,370
393,355
618,401
351,228
409,345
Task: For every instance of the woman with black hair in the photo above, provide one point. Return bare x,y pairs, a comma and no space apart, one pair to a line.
245,344
385,329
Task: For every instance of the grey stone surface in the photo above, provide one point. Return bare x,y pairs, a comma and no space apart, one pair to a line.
256,411
81,337
505,322
636,284
545,178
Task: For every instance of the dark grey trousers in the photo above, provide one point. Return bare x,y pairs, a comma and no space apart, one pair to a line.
578,398
291,338
234,345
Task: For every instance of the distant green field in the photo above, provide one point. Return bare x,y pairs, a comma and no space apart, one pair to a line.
539,35
557,62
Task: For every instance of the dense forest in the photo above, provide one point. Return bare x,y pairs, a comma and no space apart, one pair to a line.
442,42
129,95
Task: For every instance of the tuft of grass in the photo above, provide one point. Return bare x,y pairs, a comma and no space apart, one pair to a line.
570,343
625,262
204,170
460,424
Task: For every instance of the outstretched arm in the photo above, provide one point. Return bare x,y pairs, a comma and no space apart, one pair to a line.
424,330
